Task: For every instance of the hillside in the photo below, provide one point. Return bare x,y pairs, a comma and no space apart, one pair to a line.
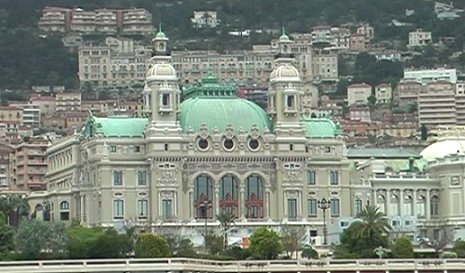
29,59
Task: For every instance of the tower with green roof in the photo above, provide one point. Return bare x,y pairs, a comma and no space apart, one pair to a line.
285,53
160,43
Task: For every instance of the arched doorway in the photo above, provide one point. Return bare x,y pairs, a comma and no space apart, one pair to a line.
254,197
203,197
229,194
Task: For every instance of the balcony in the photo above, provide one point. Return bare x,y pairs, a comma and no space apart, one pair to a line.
401,177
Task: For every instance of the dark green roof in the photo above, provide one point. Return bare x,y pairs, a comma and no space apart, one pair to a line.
320,128
118,126
210,87
378,153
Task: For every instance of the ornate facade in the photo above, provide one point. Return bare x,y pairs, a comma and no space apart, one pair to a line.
188,161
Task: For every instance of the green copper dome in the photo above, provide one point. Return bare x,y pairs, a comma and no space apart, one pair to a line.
160,35
216,105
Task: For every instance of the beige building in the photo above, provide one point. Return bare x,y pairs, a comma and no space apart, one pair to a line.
46,104
383,93
189,161
68,102
436,105
5,151
11,114
366,30
28,165
109,21
419,38
205,19
31,114
119,62
214,152
358,93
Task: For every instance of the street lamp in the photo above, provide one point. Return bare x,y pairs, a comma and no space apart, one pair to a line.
205,203
324,204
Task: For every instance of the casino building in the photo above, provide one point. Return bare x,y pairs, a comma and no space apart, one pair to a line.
202,150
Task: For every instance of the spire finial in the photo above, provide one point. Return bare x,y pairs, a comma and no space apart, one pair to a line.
159,26
284,30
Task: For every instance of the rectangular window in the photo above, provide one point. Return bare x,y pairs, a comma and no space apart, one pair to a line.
117,178
335,207
165,100
311,177
334,178
113,148
118,209
142,209
142,178
137,149
166,208
292,208
357,206
312,207
290,102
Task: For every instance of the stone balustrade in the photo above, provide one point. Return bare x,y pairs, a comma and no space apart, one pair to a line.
197,265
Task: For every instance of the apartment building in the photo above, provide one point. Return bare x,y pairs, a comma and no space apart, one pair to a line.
205,19
68,102
28,165
106,21
358,42
136,21
5,150
358,93
383,93
46,104
436,105
406,93
109,21
325,66
336,37
425,76
366,30
119,62
11,114
419,38
31,114
55,19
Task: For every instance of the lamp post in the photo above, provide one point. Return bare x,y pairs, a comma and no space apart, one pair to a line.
205,204
324,204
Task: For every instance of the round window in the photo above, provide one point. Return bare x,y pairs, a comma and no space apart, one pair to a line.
228,144
253,144
202,144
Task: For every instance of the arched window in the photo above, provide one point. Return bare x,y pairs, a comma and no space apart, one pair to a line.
254,196
203,197
381,203
229,194
395,205
434,205
408,205
421,206
64,211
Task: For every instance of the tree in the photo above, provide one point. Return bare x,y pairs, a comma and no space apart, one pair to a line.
309,253
371,100
361,238
226,220
265,244
214,243
151,246
374,223
34,237
110,244
185,249
293,239
459,248
14,207
80,241
423,132
402,248
6,237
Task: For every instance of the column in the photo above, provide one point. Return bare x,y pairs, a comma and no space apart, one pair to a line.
401,202
159,205
175,204
427,206
414,203
241,202
300,205
266,206
191,203
217,201
388,203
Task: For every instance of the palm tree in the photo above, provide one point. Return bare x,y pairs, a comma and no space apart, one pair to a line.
374,223
226,220
13,207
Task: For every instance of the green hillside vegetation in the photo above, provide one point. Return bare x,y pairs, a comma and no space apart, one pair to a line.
28,57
